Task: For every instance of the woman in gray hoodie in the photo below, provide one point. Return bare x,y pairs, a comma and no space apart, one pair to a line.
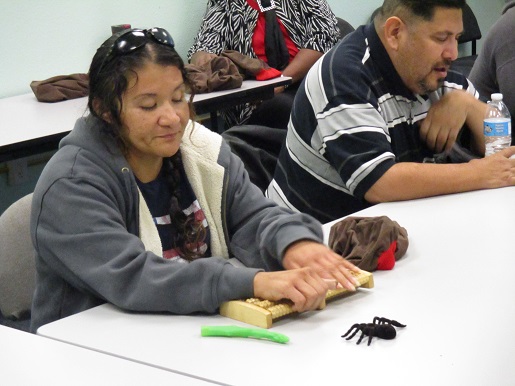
143,208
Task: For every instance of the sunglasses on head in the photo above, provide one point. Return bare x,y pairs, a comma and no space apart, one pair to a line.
135,39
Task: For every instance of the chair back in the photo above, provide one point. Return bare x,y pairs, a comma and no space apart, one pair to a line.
17,267
258,147
471,30
344,26
471,33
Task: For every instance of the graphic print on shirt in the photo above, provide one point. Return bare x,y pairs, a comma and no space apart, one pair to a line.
196,211
158,197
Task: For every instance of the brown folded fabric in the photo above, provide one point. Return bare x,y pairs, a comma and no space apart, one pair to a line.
61,87
218,73
369,242
251,67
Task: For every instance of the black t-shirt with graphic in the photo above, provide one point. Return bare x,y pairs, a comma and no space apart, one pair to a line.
157,195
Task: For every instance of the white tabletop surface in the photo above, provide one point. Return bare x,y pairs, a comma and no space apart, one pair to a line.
454,289
245,86
23,118
28,359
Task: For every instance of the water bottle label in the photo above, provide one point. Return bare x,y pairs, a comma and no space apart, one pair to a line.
497,128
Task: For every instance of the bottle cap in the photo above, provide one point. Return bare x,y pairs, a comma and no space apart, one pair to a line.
496,96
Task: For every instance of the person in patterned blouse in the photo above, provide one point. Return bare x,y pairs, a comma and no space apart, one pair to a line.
307,29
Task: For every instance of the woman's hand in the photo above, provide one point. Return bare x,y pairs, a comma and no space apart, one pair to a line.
325,262
304,287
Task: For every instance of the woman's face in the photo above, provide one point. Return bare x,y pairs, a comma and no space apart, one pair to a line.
154,114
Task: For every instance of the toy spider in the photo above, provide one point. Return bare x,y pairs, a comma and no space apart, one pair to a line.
380,327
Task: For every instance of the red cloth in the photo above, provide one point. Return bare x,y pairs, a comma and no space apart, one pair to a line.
258,37
268,73
386,260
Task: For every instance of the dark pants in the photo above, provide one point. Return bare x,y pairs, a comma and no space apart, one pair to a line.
258,147
275,112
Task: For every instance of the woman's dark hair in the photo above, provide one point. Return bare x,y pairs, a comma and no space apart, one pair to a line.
190,232
108,80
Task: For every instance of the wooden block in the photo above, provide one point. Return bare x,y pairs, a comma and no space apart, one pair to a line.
247,312
262,313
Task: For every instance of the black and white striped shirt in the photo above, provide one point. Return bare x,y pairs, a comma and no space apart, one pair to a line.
352,120
229,25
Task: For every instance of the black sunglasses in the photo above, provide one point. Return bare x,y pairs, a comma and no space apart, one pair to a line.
134,39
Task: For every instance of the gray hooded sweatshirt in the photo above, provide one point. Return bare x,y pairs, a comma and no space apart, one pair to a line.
95,240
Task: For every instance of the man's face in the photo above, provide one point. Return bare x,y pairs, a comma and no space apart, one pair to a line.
427,48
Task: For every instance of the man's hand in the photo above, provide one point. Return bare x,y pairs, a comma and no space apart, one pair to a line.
444,120
496,170
322,260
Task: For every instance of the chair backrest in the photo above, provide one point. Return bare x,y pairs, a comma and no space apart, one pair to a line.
17,267
471,30
258,147
344,26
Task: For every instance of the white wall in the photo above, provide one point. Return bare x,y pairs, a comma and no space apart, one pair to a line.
44,38
357,12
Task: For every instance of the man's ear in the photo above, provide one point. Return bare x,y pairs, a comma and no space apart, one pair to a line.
106,116
393,29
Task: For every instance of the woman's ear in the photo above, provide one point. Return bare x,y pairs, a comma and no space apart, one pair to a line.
393,29
106,116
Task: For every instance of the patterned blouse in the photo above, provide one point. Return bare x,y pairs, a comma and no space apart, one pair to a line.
227,25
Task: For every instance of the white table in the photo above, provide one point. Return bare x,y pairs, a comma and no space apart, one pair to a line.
453,289
250,91
29,127
28,359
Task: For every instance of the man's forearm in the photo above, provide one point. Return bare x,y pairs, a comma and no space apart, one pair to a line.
410,180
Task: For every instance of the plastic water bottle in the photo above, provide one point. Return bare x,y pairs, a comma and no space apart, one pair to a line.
497,125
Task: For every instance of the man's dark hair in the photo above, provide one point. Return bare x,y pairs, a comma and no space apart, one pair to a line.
421,8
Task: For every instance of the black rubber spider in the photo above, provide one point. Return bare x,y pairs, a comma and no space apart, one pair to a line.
380,327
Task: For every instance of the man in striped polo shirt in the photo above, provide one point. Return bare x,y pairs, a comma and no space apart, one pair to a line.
381,118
